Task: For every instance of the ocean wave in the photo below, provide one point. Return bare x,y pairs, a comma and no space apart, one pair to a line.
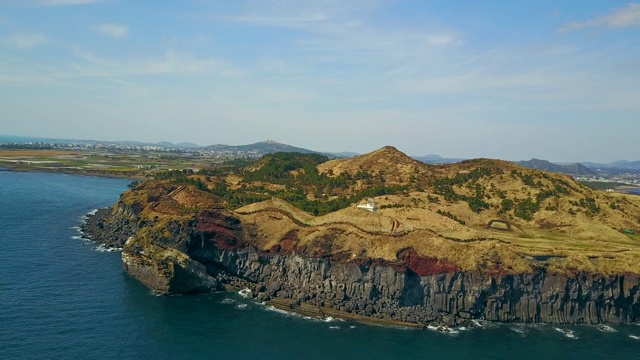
242,306
445,329
520,329
104,248
635,337
227,301
482,323
568,333
327,319
245,293
334,327
331,319
284,312
606,328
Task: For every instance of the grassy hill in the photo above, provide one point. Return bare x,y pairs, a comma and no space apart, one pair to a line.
307,203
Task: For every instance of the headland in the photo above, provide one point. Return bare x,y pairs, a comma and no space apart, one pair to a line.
445,244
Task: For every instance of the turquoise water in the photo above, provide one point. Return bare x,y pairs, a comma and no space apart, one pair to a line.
60,298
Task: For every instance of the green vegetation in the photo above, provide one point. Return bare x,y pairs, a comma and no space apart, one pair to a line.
450,216
601,185
526,208
588,204
445,187
506,205
298,175
433,199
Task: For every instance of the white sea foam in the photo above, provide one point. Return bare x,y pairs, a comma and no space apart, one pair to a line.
482,323
242,306
81,238
568,333
334,327
520,329
227,301
635,337
331,318
606,328
444,329
103,248
295,314
352,327
284,312
92,212
245,293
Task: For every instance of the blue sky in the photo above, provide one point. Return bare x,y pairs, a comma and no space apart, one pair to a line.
557,80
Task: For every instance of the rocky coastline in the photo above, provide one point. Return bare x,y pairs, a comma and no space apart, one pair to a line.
213,252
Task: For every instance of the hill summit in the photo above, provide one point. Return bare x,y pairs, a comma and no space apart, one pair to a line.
388,163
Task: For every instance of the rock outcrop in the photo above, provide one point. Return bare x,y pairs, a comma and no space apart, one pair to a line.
166,270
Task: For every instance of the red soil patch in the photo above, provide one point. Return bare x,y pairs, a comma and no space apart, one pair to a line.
220,229
425,265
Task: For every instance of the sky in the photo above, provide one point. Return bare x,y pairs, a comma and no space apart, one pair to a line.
514,80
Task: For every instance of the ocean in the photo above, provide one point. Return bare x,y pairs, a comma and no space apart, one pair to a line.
63,298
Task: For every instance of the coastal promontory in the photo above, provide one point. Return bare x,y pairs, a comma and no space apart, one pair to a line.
387,238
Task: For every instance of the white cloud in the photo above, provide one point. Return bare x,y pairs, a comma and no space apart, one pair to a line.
625,16
115,30
25,41
171,63
442,39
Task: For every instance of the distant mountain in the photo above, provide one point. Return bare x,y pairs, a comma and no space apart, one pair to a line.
436,159
631,165
188,145
573,169
260,148
616,166
343,154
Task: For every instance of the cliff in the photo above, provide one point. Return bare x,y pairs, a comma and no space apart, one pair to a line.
418,260
411,289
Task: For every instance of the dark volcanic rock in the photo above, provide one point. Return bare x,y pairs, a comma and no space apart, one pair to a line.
112,230
446,297
212,249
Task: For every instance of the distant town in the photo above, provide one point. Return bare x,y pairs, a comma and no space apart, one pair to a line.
193,156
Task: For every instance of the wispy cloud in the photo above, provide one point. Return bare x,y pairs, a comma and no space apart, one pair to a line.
115,30
25,41
442,39
625,16
171,63
67,2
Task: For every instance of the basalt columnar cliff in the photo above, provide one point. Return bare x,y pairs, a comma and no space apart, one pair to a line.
480,239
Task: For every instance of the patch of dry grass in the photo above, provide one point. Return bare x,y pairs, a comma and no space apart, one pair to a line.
561,235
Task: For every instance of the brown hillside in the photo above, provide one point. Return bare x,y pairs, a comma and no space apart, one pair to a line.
395,166
442,212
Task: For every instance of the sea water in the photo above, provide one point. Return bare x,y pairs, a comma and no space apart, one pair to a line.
60,298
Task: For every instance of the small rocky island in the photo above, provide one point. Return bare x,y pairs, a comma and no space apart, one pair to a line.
430,244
